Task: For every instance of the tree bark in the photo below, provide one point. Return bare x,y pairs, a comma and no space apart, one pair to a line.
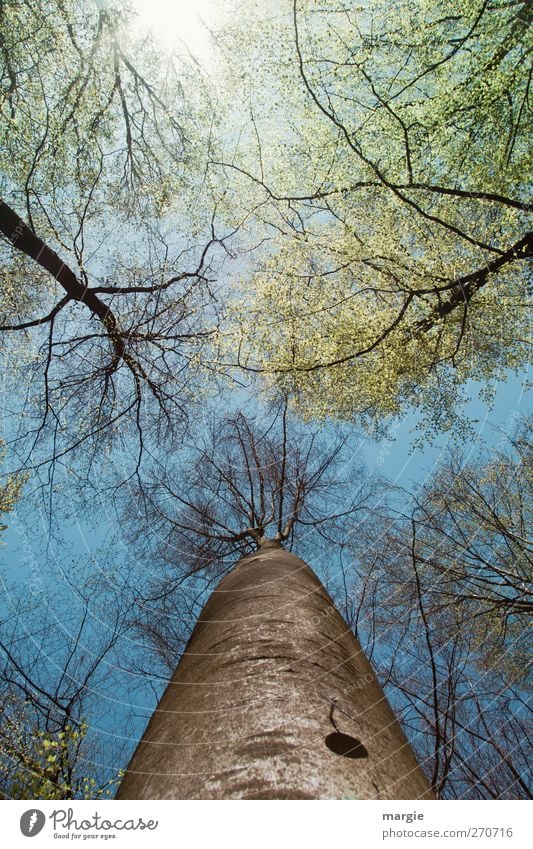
273,699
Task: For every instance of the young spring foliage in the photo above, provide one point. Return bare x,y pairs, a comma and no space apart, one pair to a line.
107,223
382,156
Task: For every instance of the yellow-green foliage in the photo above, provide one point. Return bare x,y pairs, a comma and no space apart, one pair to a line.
10,491
388,98
36,764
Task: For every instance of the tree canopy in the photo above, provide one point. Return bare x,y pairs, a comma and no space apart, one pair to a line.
108,222
388,144
211,278
441,576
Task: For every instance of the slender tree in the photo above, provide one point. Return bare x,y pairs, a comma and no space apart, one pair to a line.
437,586
467,534
53,667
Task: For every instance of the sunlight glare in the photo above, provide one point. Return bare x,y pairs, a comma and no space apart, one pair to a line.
178,22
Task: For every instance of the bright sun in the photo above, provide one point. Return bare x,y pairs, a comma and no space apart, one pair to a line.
178,21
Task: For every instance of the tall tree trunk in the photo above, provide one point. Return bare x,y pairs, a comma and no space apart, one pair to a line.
273,699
